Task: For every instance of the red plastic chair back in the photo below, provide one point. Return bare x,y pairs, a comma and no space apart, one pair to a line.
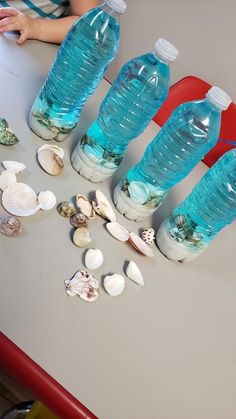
192,88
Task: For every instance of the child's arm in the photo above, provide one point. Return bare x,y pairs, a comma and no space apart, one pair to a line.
42,29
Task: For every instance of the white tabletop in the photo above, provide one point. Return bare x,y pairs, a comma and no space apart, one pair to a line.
165,351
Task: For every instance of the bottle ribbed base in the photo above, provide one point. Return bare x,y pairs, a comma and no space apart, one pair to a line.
46,132
130,209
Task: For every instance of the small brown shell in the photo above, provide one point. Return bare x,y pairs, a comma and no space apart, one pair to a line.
66,209
78,220
148,235
10,226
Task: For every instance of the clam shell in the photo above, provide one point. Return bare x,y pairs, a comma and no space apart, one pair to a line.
114,284
81,237
140,245
85,206
78,220
148,235
103,207
66,209
118,231
46,200
138,191
10,226
7,178
133,272
50,160
20,199
93,258
84,285
55,148
13,166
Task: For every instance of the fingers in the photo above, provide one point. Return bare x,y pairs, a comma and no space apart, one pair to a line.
9,24
8,11
22,38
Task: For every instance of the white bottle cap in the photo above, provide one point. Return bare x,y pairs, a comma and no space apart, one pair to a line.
164,49
219,98
118,5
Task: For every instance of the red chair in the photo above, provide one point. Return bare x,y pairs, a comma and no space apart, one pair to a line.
192,88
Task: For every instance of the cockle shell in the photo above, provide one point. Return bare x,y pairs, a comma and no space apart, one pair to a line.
133,272
118,231
46,200
78,220
49,158
13,166
114,284
10,226
66,209
81,237
103,207
93,258
85,206
148,235
84,285
140,245
138,191
7,178
55,148
20,199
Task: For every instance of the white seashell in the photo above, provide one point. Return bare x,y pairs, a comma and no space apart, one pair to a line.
81,236
148,235
13,166
50,160
46,200
134,273
114,284
85,206
138,191
57,150
7,178
140,245
84,285
93,258
103,207
118,231
20,199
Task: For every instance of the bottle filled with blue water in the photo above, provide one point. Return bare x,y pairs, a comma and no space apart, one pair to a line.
210,207
88,49
190,132
135,96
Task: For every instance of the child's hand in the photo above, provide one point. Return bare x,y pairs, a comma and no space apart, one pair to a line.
13,20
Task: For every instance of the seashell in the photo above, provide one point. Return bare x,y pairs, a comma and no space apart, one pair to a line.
118,231
55,148
10,226
84,285
93,258
134,273
81,237
140,245
13,166
148,235
7,136
46,200
114,284
20,199
6,179
103,207
78,220
50,160
66,209
138,191
85,206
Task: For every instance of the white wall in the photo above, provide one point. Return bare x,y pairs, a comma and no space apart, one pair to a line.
204,31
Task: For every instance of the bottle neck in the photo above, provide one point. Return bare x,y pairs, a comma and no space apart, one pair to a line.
110,11
160,58
213,105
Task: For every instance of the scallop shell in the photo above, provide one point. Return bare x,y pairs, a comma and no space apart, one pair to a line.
118,231
140,245
93,258
81,237
46,200
10,226
20,199
84,285
103,207
133,272
7,178
148,235
138,191
66,209
114,284
78,220
85,206
50,160
13,166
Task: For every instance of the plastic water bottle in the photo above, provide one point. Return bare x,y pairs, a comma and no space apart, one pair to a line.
210,207
190,132
135,96
89,47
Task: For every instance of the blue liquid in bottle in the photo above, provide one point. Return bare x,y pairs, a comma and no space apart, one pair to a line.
135,96
89,47
191,131
210,207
